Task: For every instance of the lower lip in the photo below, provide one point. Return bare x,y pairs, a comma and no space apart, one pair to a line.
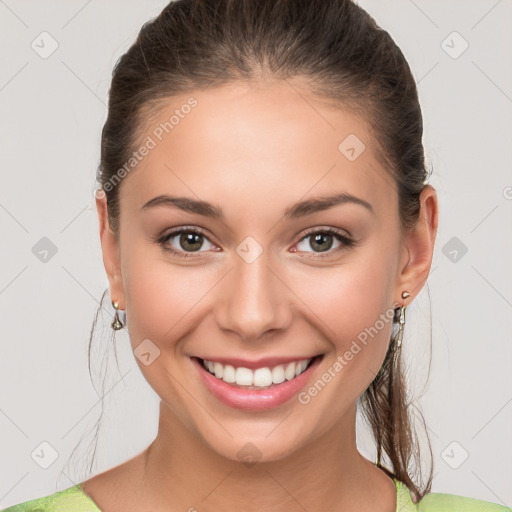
253,399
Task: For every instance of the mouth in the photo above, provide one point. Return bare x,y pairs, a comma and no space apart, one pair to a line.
257,388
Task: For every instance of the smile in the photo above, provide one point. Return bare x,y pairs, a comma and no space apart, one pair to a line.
260,378
267,385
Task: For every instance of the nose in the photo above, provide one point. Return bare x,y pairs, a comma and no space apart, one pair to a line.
253,300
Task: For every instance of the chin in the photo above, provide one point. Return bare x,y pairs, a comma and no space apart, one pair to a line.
258,442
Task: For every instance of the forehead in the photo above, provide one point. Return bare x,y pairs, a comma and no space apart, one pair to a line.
242,142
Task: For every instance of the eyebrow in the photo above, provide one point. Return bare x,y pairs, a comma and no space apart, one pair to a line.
300,209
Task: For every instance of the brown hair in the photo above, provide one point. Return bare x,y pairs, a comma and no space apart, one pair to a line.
343,56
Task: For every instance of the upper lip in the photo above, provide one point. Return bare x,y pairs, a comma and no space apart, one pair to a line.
264,362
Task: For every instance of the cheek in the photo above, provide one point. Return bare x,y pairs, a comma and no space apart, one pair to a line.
164,305
351,305
162,300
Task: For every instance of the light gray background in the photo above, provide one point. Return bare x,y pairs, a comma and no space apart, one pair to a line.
52,112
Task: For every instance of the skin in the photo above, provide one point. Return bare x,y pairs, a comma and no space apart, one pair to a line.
255,150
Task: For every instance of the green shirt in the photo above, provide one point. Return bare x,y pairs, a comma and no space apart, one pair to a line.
74,499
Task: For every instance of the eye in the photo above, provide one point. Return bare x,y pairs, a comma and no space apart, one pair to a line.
322,241
184,241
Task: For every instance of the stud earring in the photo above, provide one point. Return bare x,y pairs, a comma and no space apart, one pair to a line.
116,324
401,320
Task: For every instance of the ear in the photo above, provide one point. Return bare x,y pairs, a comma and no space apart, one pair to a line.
418,248
110,249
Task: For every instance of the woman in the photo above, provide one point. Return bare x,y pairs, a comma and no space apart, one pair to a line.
263,208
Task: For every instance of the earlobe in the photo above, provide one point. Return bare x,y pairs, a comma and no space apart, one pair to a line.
110,250
419,245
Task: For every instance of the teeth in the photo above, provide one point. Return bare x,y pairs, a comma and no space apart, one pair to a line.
262,377
243,377
218,369
229,374
259,378
300,367
278,374
289,373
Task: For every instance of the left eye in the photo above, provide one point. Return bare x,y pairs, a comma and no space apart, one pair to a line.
323,240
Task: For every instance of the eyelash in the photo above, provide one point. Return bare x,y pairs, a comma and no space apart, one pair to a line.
346,241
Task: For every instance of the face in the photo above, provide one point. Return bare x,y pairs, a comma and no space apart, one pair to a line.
262,283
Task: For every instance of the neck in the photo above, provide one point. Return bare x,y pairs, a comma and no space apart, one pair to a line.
178,468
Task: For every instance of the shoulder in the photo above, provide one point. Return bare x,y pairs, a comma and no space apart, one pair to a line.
440,502
72,499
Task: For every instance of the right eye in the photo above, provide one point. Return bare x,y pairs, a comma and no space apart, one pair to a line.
188,241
